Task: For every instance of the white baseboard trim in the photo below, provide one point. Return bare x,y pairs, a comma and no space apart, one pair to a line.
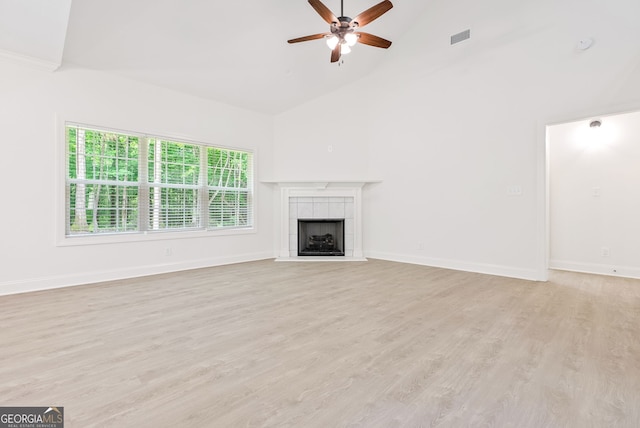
595,268
60,281
489,269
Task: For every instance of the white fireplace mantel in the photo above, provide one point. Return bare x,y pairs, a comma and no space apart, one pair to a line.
350,190
320,184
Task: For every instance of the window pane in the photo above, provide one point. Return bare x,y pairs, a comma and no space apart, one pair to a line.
173,162
72,152
173,208
228,208
174,170
104,156
99,164
105,208
227,168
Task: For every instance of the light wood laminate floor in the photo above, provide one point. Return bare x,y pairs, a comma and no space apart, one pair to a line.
371,344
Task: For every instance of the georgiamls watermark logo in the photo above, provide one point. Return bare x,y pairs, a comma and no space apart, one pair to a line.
32,417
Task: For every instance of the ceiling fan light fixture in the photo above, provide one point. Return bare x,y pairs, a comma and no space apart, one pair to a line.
344,32
332,42
351,39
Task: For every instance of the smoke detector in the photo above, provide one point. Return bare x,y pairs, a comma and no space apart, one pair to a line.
584,44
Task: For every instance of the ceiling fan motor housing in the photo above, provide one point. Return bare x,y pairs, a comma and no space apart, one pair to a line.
343,26
344,22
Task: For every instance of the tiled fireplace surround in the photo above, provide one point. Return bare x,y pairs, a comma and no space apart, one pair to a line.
321,200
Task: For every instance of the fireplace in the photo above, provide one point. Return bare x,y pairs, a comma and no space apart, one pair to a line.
321,200
320,237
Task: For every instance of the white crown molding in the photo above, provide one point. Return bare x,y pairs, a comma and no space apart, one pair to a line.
29,61
320,184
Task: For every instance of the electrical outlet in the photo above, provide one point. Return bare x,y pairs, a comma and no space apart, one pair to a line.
604,251
515,190
168,251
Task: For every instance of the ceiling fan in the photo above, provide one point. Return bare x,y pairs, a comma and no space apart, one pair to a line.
344,31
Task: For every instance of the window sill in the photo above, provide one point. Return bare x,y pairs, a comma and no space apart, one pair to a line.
119,238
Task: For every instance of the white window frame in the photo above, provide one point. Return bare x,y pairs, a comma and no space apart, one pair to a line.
62,239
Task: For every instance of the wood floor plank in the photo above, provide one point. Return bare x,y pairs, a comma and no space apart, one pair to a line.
372,344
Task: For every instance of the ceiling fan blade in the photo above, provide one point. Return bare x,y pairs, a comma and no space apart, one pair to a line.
323,11
371,40
372,13
336,52
307,38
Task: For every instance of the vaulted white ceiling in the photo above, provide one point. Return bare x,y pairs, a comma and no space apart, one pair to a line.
34,31
234,52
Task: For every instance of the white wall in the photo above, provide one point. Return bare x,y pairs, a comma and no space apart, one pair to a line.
450,129
32,104
594,182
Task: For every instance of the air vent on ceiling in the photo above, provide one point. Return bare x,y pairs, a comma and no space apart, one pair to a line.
457,38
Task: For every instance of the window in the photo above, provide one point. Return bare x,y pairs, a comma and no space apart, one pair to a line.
126,183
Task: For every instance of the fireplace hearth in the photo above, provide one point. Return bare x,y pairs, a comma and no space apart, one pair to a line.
320,237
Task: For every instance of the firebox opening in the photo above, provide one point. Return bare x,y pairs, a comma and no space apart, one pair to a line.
321,237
